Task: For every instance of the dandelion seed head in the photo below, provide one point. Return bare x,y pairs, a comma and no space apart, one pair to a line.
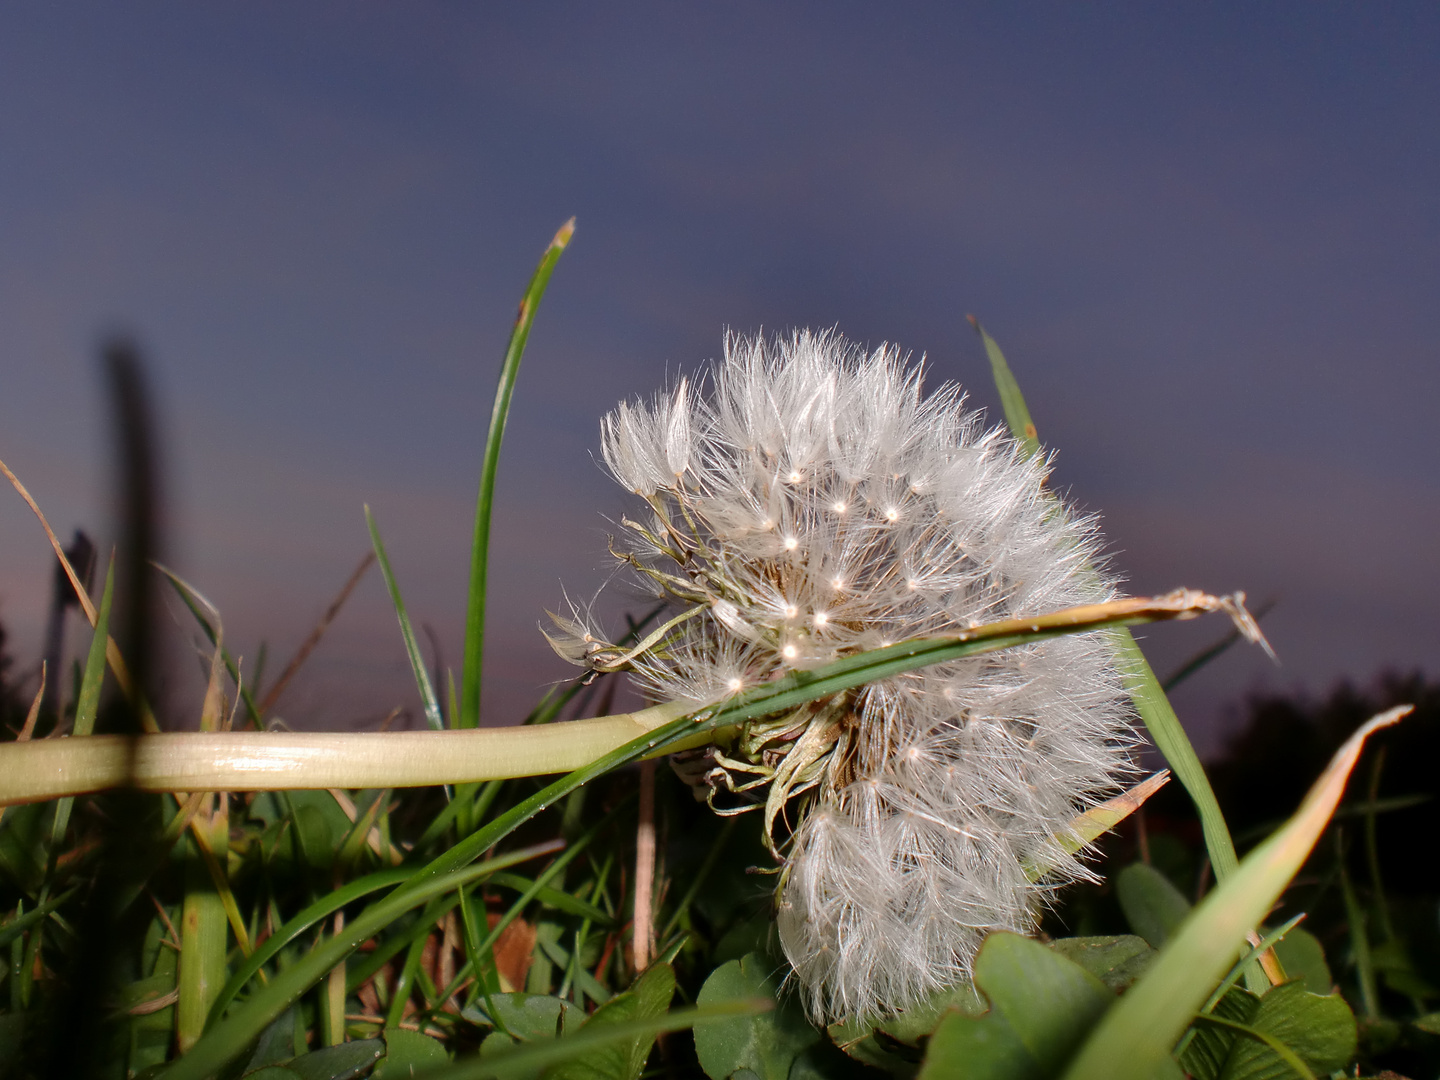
802,474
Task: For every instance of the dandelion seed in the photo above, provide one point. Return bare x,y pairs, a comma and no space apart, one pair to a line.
925,796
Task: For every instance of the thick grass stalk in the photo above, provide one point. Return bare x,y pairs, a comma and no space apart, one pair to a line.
259,761
480,547
203,931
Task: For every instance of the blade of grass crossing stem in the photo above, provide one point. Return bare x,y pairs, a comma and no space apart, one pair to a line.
1017,413
412,650
230,1038
1136,1034
88,703
483,951
480,547
310,916
1150,700
795,689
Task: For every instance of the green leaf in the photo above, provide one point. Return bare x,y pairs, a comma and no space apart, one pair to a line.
1116,961
469,715
1429,1023
525,1016
1320,1031
1153,906
767,1044
344,1061
408,1053
648,999
1041,1007
914,1025
1254,1038
1134,1038
1208,1049
276,1043
1303,957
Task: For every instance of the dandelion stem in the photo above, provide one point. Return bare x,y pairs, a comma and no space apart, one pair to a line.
270,761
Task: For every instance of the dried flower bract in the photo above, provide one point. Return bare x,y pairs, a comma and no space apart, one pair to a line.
805,501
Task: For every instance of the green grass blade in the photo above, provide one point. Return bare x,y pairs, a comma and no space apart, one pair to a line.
87,704
1017,413
327,905
1169,737
480,548
417,663
1136,1034
228,1039
1150,700
484,949
23,920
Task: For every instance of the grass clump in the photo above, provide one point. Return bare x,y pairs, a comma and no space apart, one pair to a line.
441,904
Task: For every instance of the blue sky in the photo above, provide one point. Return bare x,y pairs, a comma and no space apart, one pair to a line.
1208,238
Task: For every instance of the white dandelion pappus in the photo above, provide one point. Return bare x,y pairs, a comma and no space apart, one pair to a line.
808,501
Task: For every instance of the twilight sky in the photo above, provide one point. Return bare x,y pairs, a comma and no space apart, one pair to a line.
1208,238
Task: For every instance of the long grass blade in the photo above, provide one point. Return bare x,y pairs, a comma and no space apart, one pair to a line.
1136,1034
428,699
480,548
87,704
1150,700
